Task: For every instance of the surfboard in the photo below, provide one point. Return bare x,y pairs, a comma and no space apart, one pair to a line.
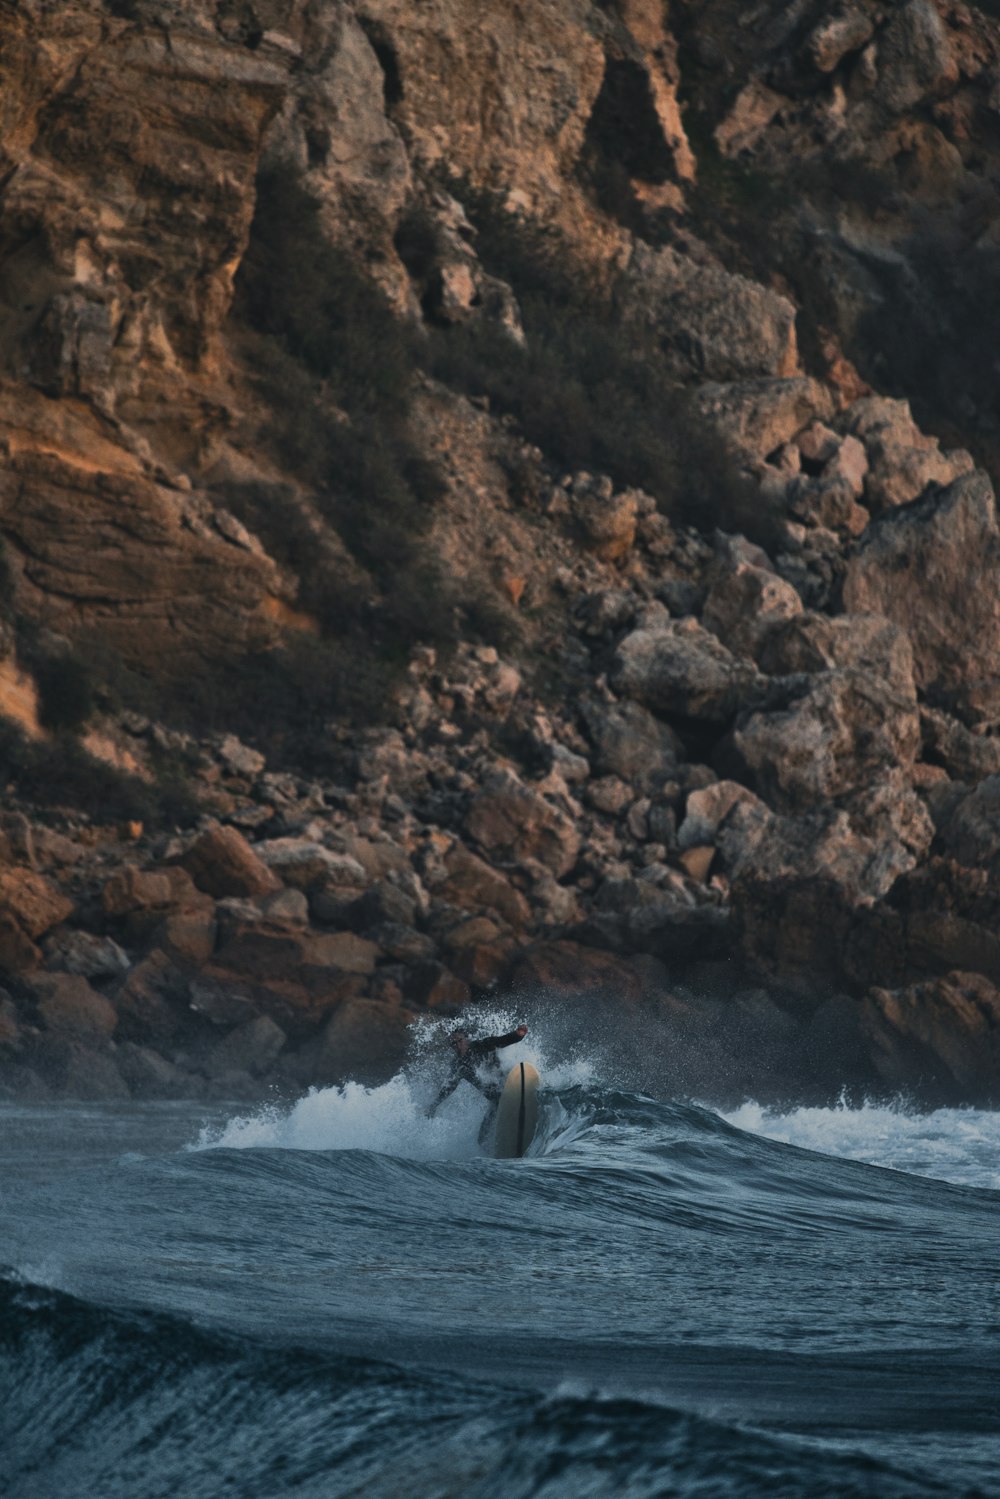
517,1112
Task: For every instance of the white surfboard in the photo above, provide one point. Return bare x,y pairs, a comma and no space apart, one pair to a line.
517,1112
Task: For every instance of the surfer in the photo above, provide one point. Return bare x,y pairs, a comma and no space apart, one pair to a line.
467,1055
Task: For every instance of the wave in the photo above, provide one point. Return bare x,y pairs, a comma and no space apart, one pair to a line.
954,1145
127,1404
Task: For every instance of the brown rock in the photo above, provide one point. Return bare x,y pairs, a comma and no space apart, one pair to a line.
251,1047
18,953
568,970
146,891
69,1006
473,885
222,863
753,418
818,642
847,729
365,1040
677,667
745,605
512,821
941,1038
34,902
629,743
697,862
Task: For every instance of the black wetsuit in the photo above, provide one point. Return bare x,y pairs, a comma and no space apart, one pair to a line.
463,1068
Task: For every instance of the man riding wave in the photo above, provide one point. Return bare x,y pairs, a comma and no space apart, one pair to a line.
467,1057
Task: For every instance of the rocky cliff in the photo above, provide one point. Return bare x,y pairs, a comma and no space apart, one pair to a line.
499,504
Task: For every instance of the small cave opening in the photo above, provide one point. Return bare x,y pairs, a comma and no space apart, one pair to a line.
624,129
388,61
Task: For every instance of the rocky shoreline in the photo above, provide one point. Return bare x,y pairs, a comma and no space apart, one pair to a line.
712,773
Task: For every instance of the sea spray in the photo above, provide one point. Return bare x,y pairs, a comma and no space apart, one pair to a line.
953,1145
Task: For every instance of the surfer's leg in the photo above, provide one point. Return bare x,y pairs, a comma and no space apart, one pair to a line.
491,1093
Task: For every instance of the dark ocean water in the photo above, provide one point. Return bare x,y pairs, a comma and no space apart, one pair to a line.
348,1299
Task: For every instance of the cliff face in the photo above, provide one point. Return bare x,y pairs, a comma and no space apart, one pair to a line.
506,420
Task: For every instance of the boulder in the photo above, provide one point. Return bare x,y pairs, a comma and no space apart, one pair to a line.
902,460
366,1041
73,1069
754,418
570,970
912,565
847,30
80,952
251,1047
148,1074
915,56
745,605
303,863
222,863
147,893
971,833
630,743
707,809
964,755
848,728
678,667
723,326
512,821
940,1039
468,882
32,901
70,1007
813,643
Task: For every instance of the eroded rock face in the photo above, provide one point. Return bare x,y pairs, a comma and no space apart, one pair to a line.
912,565
945,1032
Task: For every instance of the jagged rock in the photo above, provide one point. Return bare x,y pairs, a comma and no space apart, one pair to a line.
240,759
70,1007
33,902
467,881
833,739
148,892
913,566
815,643
745,605
836,36
512,821
224,1004
251,1047
942,1037
754,418
83,953
902,460
722,325
286,908
303,863
915,57
152,1002
628,742
706,809
964,755
222,863
678,667
571,971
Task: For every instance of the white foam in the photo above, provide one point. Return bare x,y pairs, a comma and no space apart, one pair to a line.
954,1145
393,1119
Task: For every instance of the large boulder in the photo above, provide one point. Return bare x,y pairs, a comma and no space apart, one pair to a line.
721,325
902,460
68,1006
844,732
365,1041
811,642
753,418
222,863
466,881
940,1039
627,741
512,821
913,565
746,604
677,667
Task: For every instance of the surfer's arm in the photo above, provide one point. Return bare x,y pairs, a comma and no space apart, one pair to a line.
495,1043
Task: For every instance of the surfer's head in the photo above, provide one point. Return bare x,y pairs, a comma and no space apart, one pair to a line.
459,1039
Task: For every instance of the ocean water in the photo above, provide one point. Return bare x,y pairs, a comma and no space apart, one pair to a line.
343,1297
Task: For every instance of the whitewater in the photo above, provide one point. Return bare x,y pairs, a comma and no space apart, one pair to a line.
340,1296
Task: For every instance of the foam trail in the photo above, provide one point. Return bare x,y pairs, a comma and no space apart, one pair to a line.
953,1145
